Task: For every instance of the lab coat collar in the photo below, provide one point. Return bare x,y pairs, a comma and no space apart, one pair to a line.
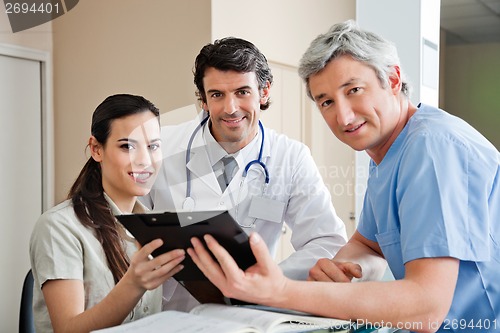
214,149
200,166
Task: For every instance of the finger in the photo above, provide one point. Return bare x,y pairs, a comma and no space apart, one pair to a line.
327,270
160,275
169,256
343,274
316,274
261,252
201,252
174,256
175,270
171,267
226,261
352,270
205,262
193,253
149,248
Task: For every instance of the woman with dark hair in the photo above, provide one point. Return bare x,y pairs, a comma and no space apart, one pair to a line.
89,274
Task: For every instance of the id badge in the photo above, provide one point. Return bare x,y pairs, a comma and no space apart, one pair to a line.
266,209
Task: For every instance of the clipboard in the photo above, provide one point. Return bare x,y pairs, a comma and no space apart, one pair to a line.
176,230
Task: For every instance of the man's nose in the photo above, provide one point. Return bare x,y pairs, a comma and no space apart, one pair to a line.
230,105
345,114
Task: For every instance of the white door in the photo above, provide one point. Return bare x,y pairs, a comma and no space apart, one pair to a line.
292,113
285,116
336,164
21,170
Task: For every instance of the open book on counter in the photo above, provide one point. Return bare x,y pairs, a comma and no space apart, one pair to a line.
219,318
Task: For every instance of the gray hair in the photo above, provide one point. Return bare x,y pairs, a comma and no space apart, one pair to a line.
347,38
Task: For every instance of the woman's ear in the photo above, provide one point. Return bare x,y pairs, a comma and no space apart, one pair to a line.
95,149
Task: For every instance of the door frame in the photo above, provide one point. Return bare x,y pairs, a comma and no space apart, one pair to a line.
47,116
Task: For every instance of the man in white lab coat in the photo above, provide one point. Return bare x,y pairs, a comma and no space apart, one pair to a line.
273,179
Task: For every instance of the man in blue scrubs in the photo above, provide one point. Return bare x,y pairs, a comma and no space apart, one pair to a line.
431,209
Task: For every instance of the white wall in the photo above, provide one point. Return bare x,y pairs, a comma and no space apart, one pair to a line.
20,130
23,110
415,24
408,24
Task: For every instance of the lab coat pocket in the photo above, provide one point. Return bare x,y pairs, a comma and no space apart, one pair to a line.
390,244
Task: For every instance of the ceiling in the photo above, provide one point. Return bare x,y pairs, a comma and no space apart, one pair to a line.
471,21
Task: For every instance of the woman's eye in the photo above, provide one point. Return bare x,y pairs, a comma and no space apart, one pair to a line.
127,146
154,147
354,90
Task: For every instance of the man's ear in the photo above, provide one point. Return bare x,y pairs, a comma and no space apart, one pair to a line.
204,106
95,149
264,96
395,80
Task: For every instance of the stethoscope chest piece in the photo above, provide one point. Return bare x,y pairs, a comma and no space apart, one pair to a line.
188,204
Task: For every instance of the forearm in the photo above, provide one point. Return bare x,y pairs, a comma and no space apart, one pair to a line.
361,251
118,304
373,265
111,311
298,264
393,303
422,299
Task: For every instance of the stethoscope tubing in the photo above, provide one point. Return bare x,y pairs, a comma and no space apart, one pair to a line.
188,155
247,167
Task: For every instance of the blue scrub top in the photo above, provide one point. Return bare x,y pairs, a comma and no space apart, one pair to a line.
436,193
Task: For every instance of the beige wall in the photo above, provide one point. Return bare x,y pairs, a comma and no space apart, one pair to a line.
114,46
39,38
106,47
281,29
472,86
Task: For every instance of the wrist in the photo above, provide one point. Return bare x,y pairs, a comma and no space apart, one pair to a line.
282,295
131,286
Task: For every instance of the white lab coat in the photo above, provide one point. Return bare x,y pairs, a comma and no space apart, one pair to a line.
295,184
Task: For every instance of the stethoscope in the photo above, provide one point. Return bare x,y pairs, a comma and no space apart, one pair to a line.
189,203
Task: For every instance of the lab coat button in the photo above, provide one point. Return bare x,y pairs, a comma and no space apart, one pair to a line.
221,203
146,309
